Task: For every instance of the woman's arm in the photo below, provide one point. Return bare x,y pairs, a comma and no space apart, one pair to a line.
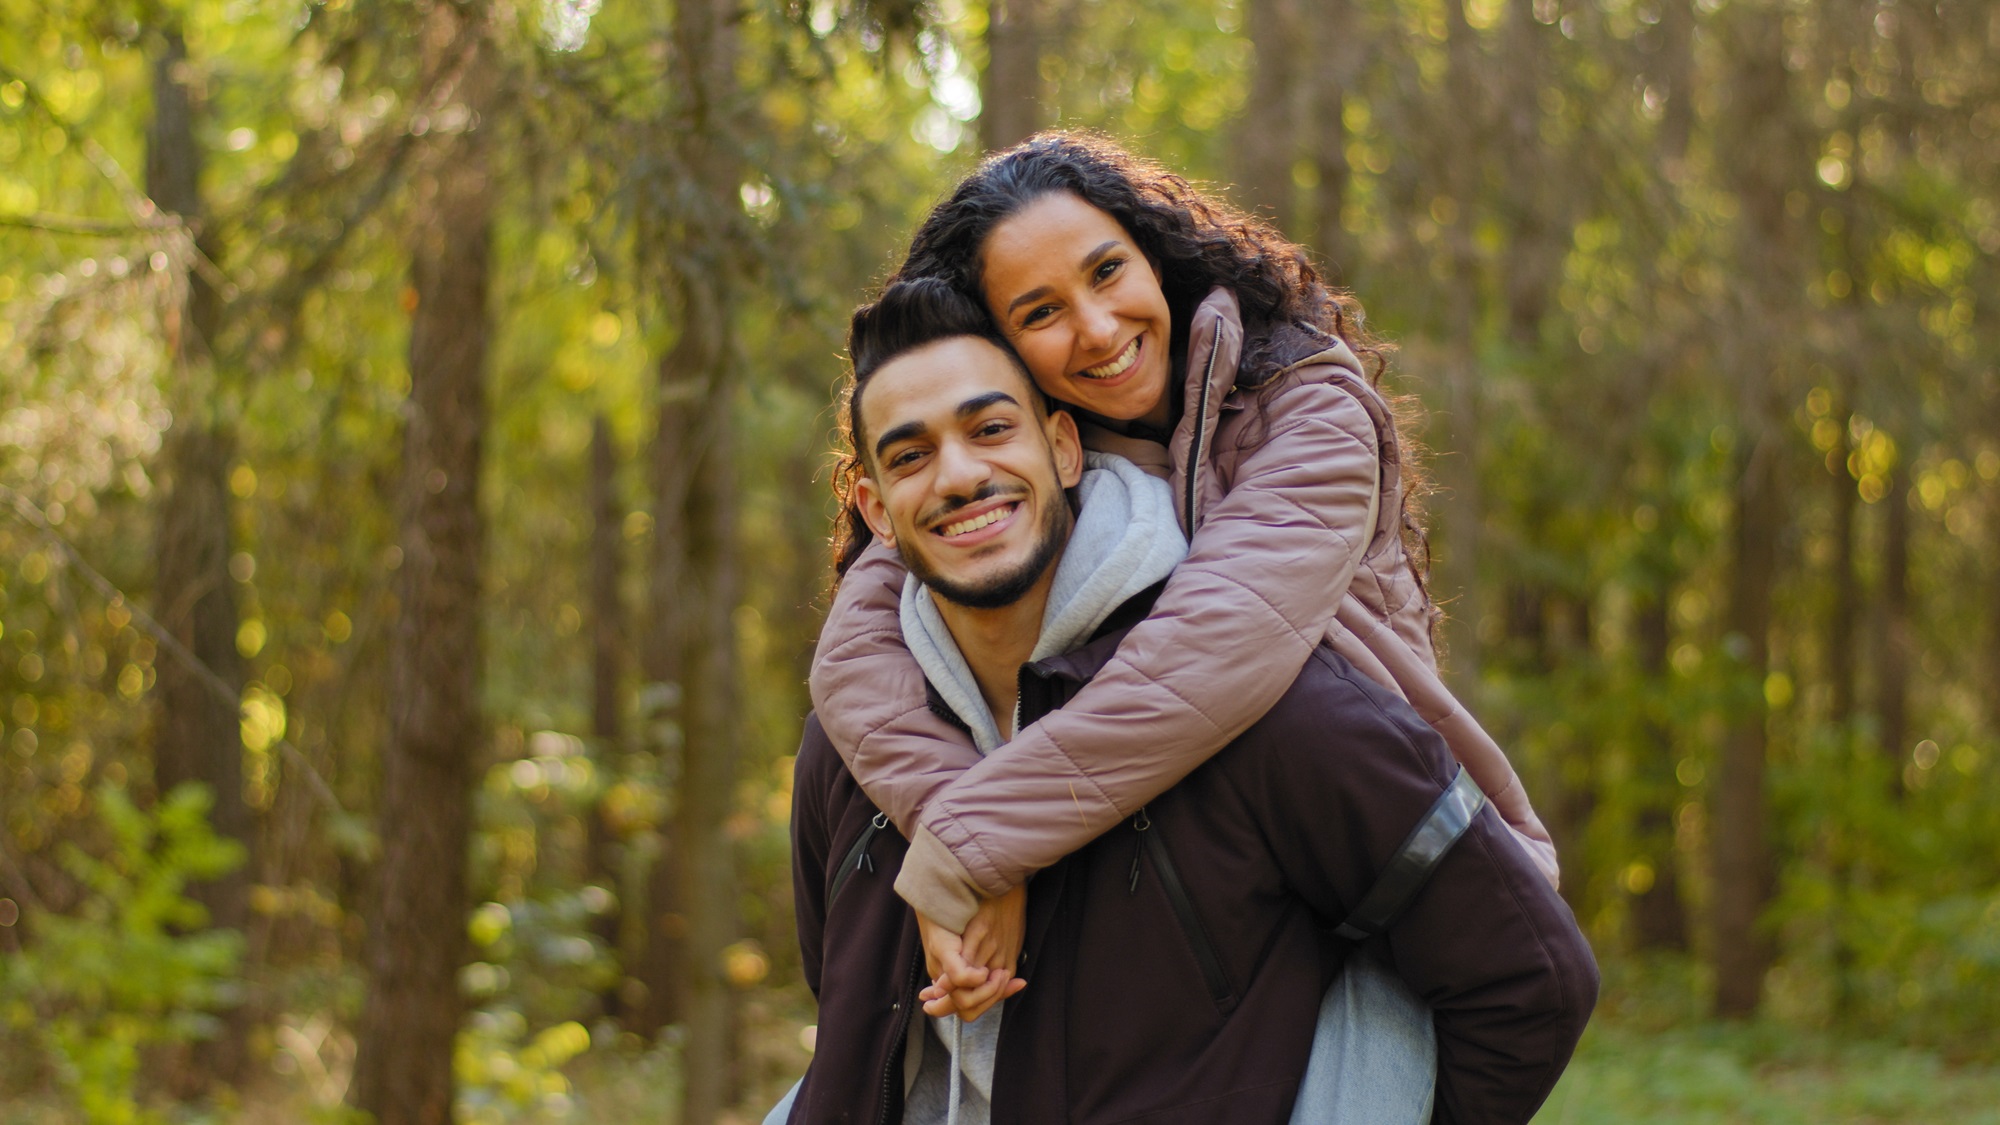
869,696
1235,623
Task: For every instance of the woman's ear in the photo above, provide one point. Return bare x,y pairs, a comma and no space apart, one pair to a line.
868,499
1065,447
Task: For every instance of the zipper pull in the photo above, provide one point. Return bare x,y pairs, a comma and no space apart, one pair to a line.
1140,823
880,822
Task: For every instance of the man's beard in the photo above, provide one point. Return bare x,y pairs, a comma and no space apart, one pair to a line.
1006,588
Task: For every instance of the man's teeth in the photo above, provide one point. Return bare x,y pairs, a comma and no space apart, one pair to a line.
1117,366
977,522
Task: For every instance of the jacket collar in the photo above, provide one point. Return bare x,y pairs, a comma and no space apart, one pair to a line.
1071,669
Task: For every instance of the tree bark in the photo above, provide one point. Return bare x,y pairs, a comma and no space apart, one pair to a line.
1759,135
1266,141
198,734
1461,504
1333,29
1659,915
416,940
607,668
1534,198
1898,643
1010,88
695,586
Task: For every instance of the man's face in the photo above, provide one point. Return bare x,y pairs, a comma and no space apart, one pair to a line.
966,475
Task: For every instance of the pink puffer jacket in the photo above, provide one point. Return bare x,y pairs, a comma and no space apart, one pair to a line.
1291,494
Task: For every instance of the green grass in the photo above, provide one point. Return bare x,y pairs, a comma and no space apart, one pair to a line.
1763,1073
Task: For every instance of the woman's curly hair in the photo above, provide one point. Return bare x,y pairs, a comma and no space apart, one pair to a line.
1195,243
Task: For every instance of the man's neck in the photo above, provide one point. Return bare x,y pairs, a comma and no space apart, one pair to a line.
996,642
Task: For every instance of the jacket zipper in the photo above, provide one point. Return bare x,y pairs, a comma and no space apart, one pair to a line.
1200,424
1219,988
857,858
902,1035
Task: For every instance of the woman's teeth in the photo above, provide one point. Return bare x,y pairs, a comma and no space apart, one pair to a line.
1117,366
976,522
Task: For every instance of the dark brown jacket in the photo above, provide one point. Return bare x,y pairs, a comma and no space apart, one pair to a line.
1176,963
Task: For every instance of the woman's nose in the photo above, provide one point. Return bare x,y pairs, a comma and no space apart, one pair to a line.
1097,325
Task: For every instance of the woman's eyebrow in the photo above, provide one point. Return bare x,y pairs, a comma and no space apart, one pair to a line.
1094,256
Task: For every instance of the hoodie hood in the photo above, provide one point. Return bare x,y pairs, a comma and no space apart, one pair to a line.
1125,539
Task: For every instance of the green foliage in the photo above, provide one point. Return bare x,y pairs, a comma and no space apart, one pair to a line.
131,968
1551,234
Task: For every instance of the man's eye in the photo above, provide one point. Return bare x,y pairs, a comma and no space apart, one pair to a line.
993,429
904,457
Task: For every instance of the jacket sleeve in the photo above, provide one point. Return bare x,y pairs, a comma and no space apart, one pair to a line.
812,845
1487,942
869,695
1256,594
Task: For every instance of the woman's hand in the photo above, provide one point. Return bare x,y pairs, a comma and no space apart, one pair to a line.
972,972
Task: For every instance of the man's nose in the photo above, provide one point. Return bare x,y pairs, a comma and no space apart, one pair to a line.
960,470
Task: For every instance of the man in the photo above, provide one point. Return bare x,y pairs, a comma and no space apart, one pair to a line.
1176,963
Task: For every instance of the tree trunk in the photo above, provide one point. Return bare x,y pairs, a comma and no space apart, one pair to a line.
1010,88
1534,197
1659,916
198,734
1840,673
1461,507
1333,30
416,940
1760,139
695,584
1898,643
606,671
1743,878
1265,142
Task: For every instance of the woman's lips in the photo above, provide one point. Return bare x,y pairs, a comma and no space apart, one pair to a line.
1116,367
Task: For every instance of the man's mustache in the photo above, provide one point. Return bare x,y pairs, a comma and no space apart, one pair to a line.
952,504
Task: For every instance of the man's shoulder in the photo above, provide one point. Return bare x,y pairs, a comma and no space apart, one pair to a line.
1330,696
817,762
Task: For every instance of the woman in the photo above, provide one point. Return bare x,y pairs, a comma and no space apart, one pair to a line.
1109,275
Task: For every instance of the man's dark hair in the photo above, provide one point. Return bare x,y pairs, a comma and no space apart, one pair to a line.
910,313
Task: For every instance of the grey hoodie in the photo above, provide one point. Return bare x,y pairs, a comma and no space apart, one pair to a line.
1126,538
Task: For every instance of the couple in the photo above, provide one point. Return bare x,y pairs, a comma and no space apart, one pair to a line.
1163,651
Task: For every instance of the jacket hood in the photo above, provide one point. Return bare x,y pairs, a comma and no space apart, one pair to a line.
1126,539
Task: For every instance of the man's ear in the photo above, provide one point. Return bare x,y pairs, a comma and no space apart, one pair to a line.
868,498
1065,447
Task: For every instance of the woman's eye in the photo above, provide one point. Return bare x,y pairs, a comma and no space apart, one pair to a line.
1037,314
1105,270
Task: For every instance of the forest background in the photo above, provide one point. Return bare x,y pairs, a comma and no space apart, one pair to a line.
414,424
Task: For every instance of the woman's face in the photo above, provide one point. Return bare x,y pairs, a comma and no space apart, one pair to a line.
1083,308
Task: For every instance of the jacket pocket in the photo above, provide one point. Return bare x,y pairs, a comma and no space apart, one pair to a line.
1154,845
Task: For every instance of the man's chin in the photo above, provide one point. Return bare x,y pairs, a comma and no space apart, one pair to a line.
994,588
992,593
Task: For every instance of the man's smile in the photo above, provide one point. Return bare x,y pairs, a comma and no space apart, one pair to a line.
966,523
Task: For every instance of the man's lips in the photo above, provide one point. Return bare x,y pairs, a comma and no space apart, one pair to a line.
1119,365
977,522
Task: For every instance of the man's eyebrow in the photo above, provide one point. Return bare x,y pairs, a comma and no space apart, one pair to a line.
1039,292
894,434
977,403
